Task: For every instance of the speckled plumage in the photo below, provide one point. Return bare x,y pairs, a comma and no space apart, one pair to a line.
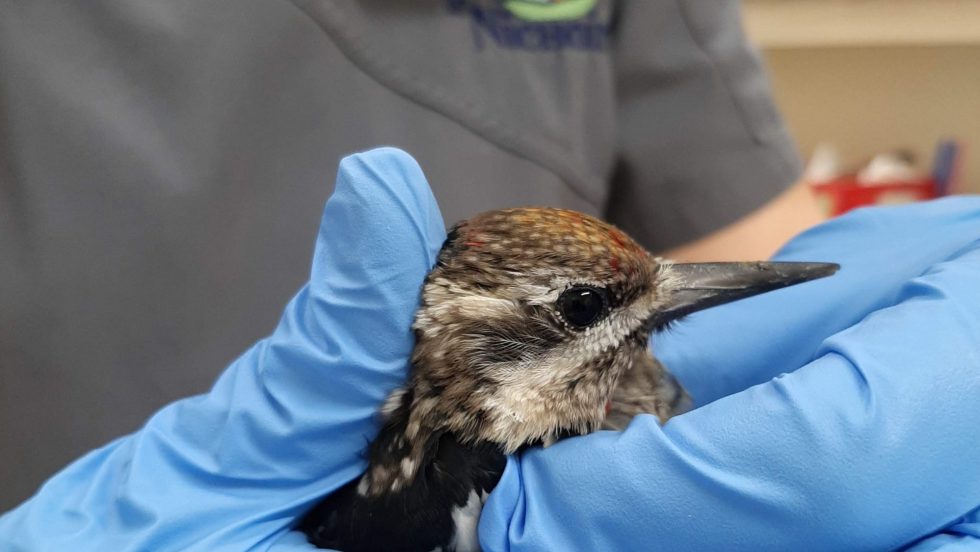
496,368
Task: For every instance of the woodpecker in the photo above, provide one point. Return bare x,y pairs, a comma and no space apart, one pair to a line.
533,326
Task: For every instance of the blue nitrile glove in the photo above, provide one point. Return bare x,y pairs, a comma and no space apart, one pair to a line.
287,422
842,414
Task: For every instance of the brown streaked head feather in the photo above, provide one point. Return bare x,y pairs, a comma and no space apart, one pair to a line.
491,344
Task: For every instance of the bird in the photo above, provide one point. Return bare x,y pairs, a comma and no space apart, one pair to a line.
533,326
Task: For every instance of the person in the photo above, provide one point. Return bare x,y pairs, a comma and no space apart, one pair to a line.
163,164
205,132
834,415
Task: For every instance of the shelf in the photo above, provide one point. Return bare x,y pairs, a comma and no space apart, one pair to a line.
775,24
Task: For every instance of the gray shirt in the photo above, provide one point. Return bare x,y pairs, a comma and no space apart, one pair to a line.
163,165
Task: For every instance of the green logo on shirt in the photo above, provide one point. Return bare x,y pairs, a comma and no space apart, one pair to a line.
549,10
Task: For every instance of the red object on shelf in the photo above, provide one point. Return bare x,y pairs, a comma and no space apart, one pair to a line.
843,194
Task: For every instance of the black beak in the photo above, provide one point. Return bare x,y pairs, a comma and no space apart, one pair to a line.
697,286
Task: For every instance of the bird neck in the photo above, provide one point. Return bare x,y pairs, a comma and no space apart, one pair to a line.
419,493
406,444
412,440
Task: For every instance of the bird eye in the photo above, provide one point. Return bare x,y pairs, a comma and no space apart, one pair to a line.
582,306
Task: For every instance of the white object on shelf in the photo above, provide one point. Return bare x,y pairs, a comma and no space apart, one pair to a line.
828,23
888,168
824,164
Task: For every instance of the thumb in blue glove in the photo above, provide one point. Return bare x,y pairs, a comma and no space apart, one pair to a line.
287,422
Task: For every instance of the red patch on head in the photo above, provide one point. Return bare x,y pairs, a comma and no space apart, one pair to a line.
608,407
614,263
474,243
623,242
617,237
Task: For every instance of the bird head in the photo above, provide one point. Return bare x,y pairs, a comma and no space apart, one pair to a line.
531,315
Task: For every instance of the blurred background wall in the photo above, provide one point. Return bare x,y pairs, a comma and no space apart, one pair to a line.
872,75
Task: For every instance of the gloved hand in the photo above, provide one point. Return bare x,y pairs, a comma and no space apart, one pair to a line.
837,454
842,414
287,422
